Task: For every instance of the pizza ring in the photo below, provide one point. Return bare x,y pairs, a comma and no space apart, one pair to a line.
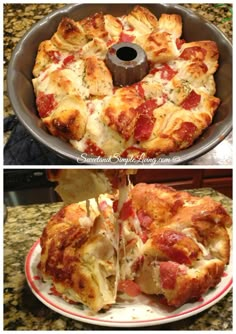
155,239
165,111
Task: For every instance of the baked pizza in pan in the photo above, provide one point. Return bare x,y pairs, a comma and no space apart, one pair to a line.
147,238
165,111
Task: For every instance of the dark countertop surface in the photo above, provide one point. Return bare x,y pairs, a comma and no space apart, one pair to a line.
23,311
18,18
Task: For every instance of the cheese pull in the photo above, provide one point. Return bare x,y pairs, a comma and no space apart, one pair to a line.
75,185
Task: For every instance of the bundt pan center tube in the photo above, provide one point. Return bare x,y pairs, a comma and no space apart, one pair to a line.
127,63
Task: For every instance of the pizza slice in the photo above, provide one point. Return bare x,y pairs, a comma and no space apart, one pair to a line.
75,185
80,244
173,240
78,254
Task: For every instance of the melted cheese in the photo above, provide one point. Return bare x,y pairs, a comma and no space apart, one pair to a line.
189,233
100,133
85,221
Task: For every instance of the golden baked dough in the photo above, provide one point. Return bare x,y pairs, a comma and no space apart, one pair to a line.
164,112
168,243
206,51
97,77
94,26
160,47
182,241
113,26
75,185
171,23
120,112
47,54
78,254
96,47
69,118
184,284
142,20
69,36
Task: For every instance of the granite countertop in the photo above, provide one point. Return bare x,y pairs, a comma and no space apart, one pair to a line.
18,18
23,311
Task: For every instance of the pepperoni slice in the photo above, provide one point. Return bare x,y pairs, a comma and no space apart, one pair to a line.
173,244
191,101
93,149
55,56
144,236
134,152
129,287
45,104
145,122
137,264
126,210
68,60
139,88
110,42
193,53
186,132
168,274
126,38
115,205
167,73
54,292
179,42
144,219
144,127
147,107
154,70
176,205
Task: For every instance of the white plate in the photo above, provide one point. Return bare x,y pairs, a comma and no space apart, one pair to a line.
141,311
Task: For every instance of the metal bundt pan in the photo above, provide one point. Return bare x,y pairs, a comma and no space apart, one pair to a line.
22,96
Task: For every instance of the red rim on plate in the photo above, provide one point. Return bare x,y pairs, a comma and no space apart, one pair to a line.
112,317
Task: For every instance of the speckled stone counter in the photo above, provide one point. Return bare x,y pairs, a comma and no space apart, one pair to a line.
23,311
18,18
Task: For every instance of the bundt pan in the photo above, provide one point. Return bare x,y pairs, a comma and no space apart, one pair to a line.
22,96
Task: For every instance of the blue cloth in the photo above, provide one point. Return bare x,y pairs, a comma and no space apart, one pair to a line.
23,149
